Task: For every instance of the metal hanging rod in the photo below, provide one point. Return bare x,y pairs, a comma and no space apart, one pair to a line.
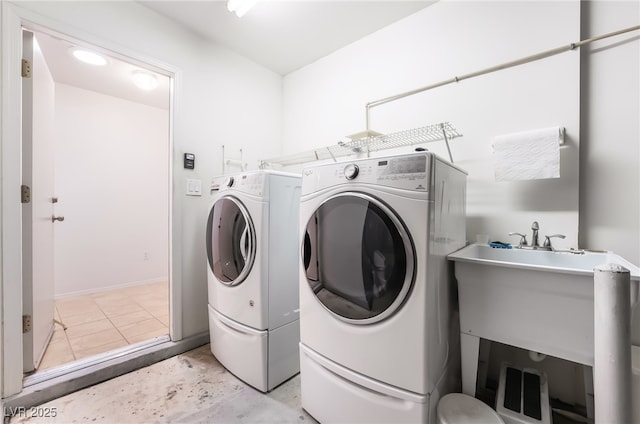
506,65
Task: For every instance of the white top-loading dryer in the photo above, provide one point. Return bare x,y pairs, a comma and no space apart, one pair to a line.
252,250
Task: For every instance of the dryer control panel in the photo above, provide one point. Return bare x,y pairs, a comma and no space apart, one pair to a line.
410,172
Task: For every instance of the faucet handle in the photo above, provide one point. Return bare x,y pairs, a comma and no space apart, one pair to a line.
547,239
523,238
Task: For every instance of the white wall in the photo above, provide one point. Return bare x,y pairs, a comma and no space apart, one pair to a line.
610,175
325,101
610,153
220,98
112,179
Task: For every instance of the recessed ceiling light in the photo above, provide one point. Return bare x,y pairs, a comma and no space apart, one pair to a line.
145,80
89,57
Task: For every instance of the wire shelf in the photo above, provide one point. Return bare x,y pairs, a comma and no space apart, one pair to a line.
437,132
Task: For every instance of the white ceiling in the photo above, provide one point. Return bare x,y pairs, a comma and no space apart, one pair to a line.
114,79
282,35
285,35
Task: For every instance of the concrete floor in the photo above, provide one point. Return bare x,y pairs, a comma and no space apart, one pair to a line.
189,388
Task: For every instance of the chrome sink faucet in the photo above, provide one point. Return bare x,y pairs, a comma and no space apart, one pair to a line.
535,244
534,236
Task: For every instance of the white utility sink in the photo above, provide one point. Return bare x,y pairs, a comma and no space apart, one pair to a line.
533,299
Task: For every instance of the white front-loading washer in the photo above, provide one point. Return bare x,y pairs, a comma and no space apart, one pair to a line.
252,273
377,314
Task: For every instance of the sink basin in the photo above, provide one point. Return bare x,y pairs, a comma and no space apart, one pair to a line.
537,300
561,261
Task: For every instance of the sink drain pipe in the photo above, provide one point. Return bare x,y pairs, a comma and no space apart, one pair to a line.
612,344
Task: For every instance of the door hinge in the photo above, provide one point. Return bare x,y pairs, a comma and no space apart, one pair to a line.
26,323
25,194
26,68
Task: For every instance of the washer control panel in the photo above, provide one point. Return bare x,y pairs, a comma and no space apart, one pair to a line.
407,172
250,183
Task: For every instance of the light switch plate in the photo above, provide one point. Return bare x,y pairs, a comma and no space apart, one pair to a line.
194,187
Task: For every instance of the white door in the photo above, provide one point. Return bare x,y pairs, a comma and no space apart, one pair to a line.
38,211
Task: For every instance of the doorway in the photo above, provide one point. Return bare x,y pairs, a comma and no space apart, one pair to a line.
108,210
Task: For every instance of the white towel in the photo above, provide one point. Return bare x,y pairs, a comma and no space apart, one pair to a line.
528,155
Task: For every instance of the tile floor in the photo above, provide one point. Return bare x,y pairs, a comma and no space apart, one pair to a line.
189,388
100,322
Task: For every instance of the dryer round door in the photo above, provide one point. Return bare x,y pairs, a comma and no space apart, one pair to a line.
231,243
358,258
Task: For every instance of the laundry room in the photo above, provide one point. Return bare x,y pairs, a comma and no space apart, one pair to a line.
399,189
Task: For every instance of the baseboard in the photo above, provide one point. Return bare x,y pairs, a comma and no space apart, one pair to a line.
92,371
114,287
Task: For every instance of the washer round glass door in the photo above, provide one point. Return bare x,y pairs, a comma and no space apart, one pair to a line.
358,258
231,246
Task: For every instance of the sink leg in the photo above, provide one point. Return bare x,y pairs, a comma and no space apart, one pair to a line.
470,349
588,391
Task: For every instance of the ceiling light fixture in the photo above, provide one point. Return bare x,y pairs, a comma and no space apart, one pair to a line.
240,7
89,57
145,80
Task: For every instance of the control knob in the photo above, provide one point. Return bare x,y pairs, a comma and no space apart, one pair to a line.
229,182
351,171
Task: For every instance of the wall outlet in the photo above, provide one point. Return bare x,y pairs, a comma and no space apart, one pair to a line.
146,256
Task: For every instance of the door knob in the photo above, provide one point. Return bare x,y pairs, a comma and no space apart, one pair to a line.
57,218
